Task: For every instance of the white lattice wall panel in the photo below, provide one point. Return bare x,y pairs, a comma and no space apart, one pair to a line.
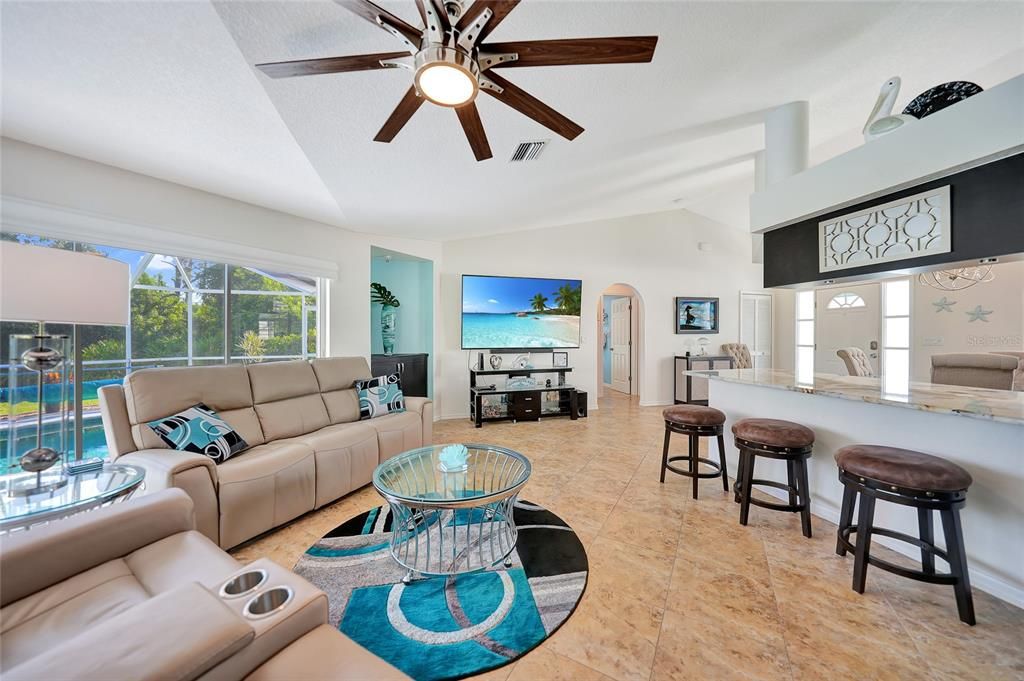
906,228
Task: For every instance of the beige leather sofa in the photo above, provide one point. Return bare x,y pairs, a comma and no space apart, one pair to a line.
131,592
300,419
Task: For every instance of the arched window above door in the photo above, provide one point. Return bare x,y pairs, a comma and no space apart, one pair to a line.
846,300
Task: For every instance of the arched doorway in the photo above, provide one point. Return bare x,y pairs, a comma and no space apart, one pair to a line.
620,347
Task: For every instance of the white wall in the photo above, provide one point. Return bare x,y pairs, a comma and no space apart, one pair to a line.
784,329
655,253
140,204
939,332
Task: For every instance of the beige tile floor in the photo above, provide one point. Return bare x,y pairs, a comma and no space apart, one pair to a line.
679,590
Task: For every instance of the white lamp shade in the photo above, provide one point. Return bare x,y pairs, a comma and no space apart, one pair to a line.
39,284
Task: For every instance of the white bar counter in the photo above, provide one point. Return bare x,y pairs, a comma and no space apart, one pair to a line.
979,429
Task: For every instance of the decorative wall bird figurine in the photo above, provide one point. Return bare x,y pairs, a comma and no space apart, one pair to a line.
882,121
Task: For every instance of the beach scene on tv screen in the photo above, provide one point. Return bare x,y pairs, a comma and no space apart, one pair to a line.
511,312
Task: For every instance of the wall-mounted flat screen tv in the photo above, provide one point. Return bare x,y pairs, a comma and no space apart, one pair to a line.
513,313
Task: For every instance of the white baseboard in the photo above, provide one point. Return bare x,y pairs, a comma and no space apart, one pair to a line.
980,579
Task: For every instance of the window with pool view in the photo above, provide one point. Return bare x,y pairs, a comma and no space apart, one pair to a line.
184,312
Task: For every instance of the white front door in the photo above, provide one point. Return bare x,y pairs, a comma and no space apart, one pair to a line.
756,327
621,344
846,317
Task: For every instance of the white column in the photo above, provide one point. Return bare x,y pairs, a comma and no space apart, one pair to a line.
757,240
786,141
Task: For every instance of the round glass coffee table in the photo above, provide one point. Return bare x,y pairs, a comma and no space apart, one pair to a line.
82,492
445,521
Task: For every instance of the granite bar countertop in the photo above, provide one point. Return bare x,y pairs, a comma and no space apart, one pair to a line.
1006,406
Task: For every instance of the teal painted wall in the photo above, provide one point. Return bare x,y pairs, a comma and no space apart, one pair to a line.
412,282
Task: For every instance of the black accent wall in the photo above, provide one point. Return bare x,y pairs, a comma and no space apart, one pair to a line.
987,205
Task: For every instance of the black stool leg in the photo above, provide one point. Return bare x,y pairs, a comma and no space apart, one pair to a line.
737,487
864,521
804,496
664,453
958,564
845,517
694,464
745,486
721,460
926,531
791,479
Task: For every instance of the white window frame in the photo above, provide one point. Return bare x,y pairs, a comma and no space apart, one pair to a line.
804,375
893,383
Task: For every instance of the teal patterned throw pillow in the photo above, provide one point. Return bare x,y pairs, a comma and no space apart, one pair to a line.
380,396
199,429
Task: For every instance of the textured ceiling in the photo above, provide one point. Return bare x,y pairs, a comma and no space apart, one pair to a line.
167,89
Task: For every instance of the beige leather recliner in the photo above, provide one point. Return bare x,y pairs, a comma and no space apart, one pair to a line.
131,592
307,446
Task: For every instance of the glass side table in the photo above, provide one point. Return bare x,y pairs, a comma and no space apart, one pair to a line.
448,522
83,492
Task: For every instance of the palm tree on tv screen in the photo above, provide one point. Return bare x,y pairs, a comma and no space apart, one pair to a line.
569,299
539,302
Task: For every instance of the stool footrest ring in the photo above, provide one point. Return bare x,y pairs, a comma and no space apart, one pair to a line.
714,464
776,506
921,576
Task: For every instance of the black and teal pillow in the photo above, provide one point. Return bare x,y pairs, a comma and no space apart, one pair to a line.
380,396
199,429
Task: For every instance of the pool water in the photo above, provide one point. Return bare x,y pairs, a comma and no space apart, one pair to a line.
93,440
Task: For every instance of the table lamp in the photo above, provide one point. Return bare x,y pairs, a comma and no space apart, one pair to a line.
39,284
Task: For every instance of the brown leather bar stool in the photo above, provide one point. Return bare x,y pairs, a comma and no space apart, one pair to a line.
922,481
774,439
695,422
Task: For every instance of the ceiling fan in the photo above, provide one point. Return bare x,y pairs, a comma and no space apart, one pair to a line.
451,64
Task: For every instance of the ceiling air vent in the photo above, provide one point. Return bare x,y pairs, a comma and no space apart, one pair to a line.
528,151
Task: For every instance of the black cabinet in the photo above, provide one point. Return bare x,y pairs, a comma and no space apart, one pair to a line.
524,406
412,368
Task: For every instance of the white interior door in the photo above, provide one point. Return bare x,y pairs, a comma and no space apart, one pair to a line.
846,317
621,344
756,327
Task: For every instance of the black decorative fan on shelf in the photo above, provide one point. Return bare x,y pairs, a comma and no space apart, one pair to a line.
941,96
451,64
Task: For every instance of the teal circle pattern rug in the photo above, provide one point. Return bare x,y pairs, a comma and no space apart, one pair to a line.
439,628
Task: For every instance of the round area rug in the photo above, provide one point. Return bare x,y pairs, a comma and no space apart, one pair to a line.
448,627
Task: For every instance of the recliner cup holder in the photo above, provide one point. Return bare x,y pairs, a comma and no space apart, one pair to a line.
268,602
243,584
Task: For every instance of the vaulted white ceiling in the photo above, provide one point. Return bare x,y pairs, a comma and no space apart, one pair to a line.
168,89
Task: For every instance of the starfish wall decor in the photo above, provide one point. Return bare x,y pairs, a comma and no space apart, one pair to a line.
944,304
978,314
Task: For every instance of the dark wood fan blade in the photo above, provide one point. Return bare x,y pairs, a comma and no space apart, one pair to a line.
422,10
624,50
474,129
501,8
312,67
441,13
525,103
400,116
370,12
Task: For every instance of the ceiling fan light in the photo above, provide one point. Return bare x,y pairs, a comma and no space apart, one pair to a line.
446,76
446,85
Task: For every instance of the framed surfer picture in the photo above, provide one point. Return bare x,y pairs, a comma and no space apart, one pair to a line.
696,315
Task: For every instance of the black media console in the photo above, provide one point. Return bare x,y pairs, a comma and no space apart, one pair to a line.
523,403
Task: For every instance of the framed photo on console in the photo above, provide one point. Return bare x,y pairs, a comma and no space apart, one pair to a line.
696,315
560,359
